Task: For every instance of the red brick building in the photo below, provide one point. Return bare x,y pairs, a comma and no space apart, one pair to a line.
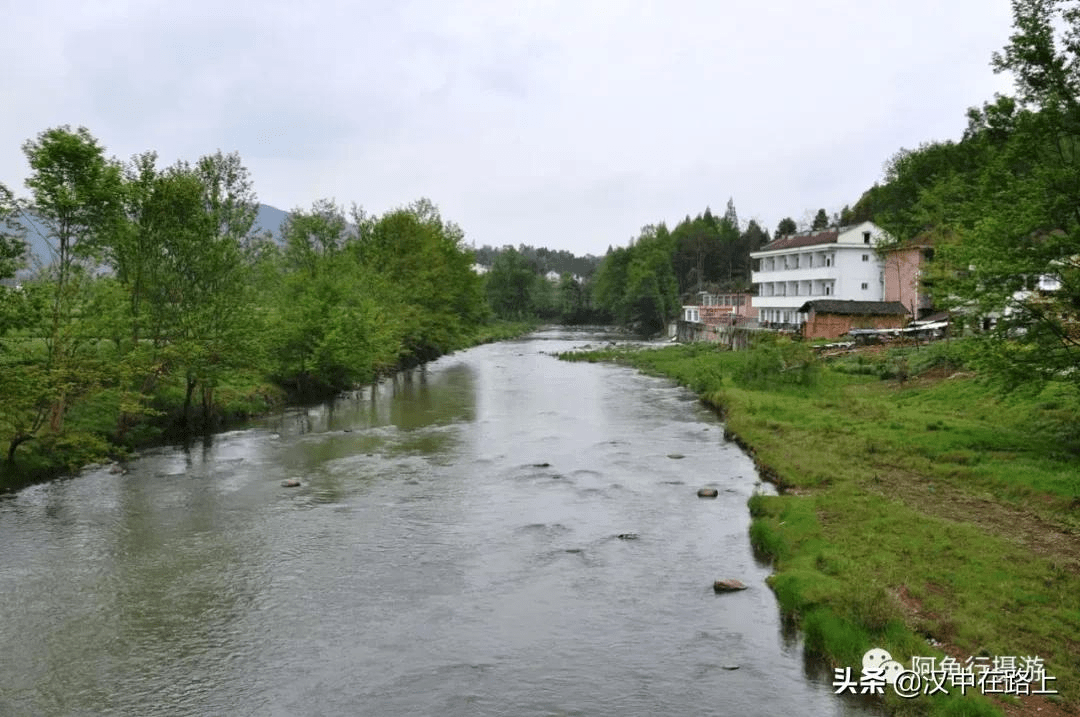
832,318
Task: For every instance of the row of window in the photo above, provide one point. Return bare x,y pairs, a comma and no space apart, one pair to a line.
795,261
782,290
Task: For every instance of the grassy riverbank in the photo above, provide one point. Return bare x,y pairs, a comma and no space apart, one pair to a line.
93,431
927,516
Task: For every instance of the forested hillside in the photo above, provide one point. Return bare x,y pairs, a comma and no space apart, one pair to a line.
644,284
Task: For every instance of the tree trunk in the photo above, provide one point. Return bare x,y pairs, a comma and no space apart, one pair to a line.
16,441
187,401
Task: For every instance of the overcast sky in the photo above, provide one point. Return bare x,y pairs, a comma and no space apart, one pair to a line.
567,124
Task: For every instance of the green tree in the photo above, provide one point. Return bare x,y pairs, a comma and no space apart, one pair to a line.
847,216
609,286
312,236
821,220
13,311
426,259
337,321
786,227
76,196
510,285
572,300
651,294
1003,205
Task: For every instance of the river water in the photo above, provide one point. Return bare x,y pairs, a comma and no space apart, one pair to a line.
454,549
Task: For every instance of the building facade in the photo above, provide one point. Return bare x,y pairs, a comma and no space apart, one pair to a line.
904,280
829,264
716,309
831,318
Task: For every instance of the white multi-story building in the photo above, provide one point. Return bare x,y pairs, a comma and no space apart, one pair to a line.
832,263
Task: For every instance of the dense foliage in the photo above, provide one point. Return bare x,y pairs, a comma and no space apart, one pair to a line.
543,260
163,308
1001,207
642,285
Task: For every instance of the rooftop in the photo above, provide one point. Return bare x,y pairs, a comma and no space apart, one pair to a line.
854,308
794,241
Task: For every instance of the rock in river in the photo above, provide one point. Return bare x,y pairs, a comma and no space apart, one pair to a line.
290,483
728,586
707,493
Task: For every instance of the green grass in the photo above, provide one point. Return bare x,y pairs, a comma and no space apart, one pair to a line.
933,509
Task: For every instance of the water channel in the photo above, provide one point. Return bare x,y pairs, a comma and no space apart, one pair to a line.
453,549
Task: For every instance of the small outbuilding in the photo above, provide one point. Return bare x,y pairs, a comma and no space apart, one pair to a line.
832,318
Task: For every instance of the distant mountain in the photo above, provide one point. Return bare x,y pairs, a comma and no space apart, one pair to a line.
268,219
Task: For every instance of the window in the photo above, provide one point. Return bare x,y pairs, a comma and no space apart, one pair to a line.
866,237
866,257
828,261
865,285
828,290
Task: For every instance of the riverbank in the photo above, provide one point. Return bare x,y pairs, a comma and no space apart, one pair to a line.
93,431
921,512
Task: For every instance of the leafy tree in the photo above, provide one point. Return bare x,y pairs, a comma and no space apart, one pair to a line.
425,257
652,294
13,312
786,227
697,256
76,196
609,287
510,285
204,215
637,284
1003,205
312,236
821,221
336,320
572,300
846,217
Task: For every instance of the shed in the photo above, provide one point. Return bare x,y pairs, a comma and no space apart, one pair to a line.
832,318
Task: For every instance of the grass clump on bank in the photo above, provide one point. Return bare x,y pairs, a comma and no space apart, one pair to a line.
925,513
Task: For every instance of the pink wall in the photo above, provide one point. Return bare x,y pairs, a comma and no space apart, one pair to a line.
902,278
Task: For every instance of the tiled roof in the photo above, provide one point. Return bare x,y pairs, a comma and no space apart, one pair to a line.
794,241
854,308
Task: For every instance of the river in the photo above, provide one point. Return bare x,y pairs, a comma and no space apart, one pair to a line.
496,533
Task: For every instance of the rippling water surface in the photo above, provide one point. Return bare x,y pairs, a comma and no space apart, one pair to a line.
454,549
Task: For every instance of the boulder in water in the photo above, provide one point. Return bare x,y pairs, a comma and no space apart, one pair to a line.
728,586
707,493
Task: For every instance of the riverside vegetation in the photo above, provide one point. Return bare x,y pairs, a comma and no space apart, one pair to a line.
162,311
921,510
